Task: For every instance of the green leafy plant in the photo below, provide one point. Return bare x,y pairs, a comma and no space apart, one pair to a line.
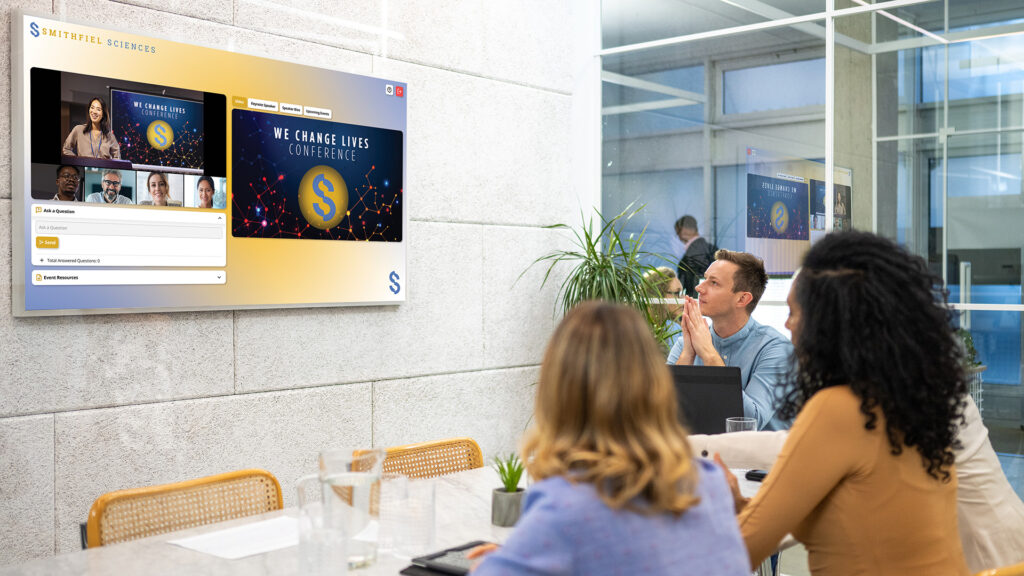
510,470
970,353
605,265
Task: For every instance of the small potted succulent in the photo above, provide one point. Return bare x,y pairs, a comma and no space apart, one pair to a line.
507,501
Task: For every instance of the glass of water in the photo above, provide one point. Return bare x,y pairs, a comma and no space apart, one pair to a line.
740,424
350,482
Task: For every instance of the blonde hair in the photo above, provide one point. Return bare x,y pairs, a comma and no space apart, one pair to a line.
658,279
605,413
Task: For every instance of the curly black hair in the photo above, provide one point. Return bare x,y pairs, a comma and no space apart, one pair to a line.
874,317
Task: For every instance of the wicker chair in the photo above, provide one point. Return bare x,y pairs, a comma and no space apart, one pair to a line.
430,459
140,512
1015,570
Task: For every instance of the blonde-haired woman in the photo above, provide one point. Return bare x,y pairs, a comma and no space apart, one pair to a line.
664,284
616,489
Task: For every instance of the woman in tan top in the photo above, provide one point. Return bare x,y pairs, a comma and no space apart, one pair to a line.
94,138
865,479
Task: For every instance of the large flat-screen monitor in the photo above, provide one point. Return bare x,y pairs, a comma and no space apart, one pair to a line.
785,208
152,175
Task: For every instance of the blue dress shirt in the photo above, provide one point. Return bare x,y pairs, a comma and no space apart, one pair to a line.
672,326
567,529
763,356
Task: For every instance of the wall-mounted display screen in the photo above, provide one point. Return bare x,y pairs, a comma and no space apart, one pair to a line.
786,207
151,175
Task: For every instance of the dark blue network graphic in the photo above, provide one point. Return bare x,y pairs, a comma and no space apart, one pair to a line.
777,208
295,177
158,131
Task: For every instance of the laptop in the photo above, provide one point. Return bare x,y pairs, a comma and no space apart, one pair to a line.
707,395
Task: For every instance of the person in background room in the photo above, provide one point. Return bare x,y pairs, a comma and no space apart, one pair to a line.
664,285
697,254
94,139
865,479
616,489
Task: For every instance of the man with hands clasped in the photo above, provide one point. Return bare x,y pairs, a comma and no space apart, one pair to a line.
732,286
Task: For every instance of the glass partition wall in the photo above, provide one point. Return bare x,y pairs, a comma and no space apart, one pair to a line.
905,117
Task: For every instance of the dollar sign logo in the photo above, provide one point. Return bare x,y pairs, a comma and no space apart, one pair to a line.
395,287
323,197
160,135
779,220
329,213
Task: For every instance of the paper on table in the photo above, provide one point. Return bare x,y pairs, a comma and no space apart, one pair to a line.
245,540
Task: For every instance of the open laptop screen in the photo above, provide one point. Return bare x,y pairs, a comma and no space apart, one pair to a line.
707,395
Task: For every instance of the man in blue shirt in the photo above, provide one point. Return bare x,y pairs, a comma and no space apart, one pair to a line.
732,286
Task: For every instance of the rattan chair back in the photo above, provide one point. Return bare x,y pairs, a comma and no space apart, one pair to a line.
430,459
140,512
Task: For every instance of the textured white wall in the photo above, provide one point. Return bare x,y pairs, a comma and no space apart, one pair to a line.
490,104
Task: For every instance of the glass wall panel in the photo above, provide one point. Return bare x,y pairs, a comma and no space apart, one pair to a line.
948,156
756,89
928,148
630,22
711,150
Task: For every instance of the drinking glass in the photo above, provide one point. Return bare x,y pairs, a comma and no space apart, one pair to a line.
321,546
740,424
407,508
349,503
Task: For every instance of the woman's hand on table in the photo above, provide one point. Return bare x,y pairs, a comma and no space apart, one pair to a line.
479,552
734,484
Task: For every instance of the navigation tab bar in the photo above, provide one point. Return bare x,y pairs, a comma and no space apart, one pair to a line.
324,113
265,105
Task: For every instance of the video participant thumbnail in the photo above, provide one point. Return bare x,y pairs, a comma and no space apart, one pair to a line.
777,208
313,179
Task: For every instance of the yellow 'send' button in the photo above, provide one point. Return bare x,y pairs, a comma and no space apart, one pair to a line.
47,242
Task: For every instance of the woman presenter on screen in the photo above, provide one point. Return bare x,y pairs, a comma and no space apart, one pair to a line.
94,139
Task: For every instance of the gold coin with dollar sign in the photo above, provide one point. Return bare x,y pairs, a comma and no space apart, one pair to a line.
780,217
323,197
160,135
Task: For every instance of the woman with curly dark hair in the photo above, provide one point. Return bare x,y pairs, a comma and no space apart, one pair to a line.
865,478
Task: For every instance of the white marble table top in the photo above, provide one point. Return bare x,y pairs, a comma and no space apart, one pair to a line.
463,514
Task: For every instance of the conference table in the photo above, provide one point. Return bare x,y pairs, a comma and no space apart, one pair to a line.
463,508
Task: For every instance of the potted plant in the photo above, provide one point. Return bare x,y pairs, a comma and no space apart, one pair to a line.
972,366
507,501
608,266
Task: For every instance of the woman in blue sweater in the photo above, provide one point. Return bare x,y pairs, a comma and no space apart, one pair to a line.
616,489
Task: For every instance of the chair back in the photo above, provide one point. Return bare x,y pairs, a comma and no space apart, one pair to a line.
140,512
430,459
1015,570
